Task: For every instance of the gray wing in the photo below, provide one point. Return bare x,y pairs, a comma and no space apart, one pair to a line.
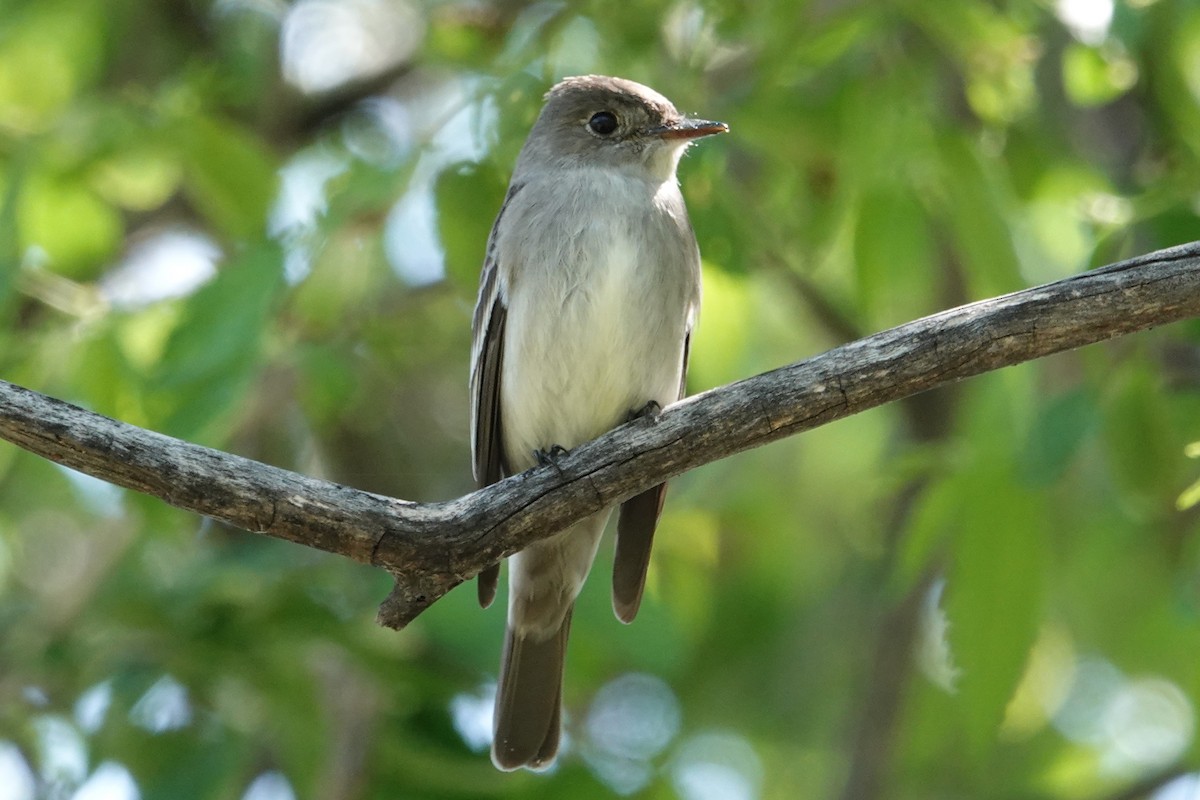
487,356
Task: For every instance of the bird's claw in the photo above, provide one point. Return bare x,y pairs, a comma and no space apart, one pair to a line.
550,457
652,411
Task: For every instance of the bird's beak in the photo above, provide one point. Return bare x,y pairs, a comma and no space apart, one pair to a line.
688,129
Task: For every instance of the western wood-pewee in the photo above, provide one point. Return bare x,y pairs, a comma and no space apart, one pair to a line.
589,292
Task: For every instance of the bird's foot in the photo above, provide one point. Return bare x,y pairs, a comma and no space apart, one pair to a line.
550,457
652,411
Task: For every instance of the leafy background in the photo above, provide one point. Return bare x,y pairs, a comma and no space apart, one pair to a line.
258,225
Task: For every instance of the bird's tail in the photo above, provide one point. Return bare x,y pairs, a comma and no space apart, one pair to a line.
528,717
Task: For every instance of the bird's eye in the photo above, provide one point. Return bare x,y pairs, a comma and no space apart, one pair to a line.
603,123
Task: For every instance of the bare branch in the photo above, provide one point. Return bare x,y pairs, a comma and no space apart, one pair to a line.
432,547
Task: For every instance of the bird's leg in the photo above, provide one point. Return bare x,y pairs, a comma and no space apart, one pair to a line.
651,410
550,457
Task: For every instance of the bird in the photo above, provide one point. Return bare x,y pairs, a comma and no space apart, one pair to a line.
589,293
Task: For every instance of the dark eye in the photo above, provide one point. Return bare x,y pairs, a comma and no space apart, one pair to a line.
603,123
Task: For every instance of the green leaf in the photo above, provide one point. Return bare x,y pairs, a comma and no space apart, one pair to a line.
75,228
1057,433
210,355
10,253
1093,77
1143,450
48,52
925,541
977,209
468,198
229,175
1189,497
328,381
993,595
893,255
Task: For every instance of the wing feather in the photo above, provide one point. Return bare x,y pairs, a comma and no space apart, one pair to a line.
487,357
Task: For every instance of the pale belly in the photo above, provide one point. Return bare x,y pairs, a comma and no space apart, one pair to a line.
580,358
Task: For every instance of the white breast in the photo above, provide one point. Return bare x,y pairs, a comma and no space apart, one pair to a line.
595,326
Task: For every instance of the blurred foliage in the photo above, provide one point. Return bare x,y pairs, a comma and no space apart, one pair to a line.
259,225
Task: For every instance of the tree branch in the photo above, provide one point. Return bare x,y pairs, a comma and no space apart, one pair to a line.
432,547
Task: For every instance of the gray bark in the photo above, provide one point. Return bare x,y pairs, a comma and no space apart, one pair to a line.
432,547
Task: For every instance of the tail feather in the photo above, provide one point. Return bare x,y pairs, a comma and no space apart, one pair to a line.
528,718
486,586
635,535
